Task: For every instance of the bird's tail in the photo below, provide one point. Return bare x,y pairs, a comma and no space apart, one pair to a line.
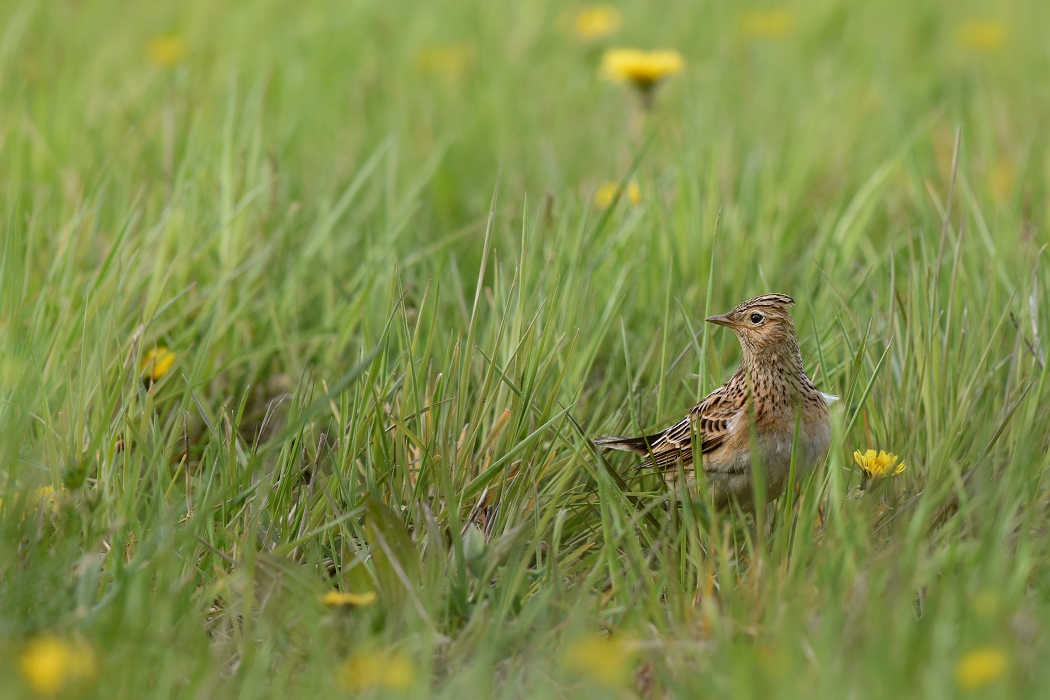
640,445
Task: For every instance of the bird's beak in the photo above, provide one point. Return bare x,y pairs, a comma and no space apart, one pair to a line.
721,320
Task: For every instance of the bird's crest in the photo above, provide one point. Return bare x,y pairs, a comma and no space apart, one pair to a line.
775,301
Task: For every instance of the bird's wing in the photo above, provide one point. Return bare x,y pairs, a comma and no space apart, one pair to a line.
713,419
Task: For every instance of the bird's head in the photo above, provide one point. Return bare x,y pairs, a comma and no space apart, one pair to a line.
762,323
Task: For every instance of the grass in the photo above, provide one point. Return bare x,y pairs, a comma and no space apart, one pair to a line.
366,232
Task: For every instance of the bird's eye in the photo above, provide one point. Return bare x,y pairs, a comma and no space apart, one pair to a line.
757,318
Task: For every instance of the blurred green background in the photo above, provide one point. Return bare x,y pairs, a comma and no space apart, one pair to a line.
843,86
369,233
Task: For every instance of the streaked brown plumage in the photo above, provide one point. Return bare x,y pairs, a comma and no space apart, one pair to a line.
772,367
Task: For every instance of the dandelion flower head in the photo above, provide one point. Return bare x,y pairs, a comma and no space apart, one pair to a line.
48,664
606,193
980,667
374,669
985,36
339,598
42,497
876,465
603,660
156,363
641,68
166,50
596,21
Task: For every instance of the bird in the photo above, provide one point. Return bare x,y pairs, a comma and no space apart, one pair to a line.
771,372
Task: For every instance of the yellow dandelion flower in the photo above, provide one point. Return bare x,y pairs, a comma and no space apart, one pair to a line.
596,22
980,667
877,465
603,660
606,193
985,36
448,61
44,496
338,598
166,50
377,670
770,23
643,69
48,664
156,363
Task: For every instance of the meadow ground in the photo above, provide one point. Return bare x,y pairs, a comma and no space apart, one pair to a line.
360,242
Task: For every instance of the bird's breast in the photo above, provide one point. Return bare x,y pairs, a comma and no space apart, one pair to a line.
814,439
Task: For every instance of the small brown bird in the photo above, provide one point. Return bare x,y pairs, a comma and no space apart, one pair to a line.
771,370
